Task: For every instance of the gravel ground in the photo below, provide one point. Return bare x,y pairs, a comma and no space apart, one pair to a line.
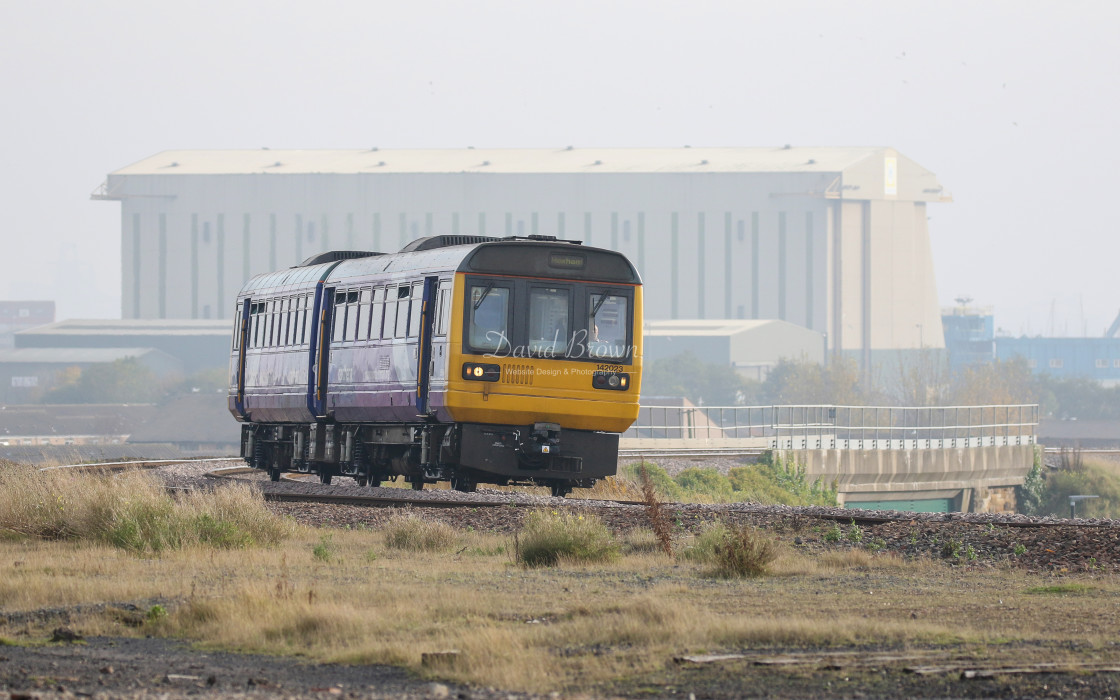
968,539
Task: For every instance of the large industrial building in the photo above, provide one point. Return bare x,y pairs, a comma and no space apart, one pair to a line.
832,239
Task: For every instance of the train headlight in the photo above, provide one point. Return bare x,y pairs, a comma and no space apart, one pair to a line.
479,372
618,381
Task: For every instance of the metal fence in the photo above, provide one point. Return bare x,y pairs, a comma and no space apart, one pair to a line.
842,427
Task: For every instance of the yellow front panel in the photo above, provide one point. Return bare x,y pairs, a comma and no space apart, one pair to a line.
534,390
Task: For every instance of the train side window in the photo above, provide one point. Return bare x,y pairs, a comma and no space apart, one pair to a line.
282,333
489,317
443,308
377,310
254,324
236,327
548,321
270,322
607,326
338,321
351,315
404,294
362,331
415,308
308,318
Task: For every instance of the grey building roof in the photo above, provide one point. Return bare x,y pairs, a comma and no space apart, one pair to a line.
818,159
131,327
72,356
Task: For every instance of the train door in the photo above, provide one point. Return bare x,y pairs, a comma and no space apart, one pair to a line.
424,345
320,350
241,342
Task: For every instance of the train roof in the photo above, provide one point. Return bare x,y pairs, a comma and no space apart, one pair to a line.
478,254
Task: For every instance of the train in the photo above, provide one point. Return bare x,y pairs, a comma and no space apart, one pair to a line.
466,359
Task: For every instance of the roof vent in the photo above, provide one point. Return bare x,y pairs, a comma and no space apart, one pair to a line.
486,162
598,162
430,242
336,255
704,162
812,161
786,147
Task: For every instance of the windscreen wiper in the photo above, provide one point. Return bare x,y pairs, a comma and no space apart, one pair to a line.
599,303
483,297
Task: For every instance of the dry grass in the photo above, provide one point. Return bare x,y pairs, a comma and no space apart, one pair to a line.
567,627
131,511
412,533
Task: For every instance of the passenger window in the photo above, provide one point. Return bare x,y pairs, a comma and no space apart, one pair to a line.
362,331
237,327
606,327
443,310
403,296
489,318
284,310
376,313
352,315
338,326
548,321
415,307
308,317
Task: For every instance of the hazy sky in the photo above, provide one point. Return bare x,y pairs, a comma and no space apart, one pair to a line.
1012,104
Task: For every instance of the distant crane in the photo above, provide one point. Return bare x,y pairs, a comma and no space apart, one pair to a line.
1114,328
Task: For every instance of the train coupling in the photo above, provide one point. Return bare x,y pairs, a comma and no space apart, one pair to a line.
544,439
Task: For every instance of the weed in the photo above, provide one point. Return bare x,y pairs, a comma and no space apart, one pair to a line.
877,545
548,537
370,555
658,520
324,551
855,533
951,549
833,534
703,548
969,553
744,552
156,613
1019,550
414,534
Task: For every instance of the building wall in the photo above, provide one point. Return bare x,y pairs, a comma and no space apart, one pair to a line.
1092,358
708,245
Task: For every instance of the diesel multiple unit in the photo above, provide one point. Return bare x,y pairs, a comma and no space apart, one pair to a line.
462,358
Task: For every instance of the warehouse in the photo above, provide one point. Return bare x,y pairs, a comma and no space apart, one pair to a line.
831,239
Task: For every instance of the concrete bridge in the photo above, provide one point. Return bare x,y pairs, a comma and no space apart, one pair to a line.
955,458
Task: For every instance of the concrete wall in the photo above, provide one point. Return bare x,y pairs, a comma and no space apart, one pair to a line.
964,473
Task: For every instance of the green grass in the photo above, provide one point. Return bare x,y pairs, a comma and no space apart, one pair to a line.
770,481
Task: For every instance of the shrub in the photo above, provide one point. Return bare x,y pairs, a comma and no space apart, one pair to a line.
703,548
744,552
414,534
324,551
548,537
706,482
663,483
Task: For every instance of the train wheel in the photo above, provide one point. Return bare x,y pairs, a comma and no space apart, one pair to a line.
461,482
560,490
418,483
361,480
274,474
325,477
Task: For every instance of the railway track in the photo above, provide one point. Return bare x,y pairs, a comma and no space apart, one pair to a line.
320,494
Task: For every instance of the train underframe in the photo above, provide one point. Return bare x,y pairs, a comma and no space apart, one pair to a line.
465,454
